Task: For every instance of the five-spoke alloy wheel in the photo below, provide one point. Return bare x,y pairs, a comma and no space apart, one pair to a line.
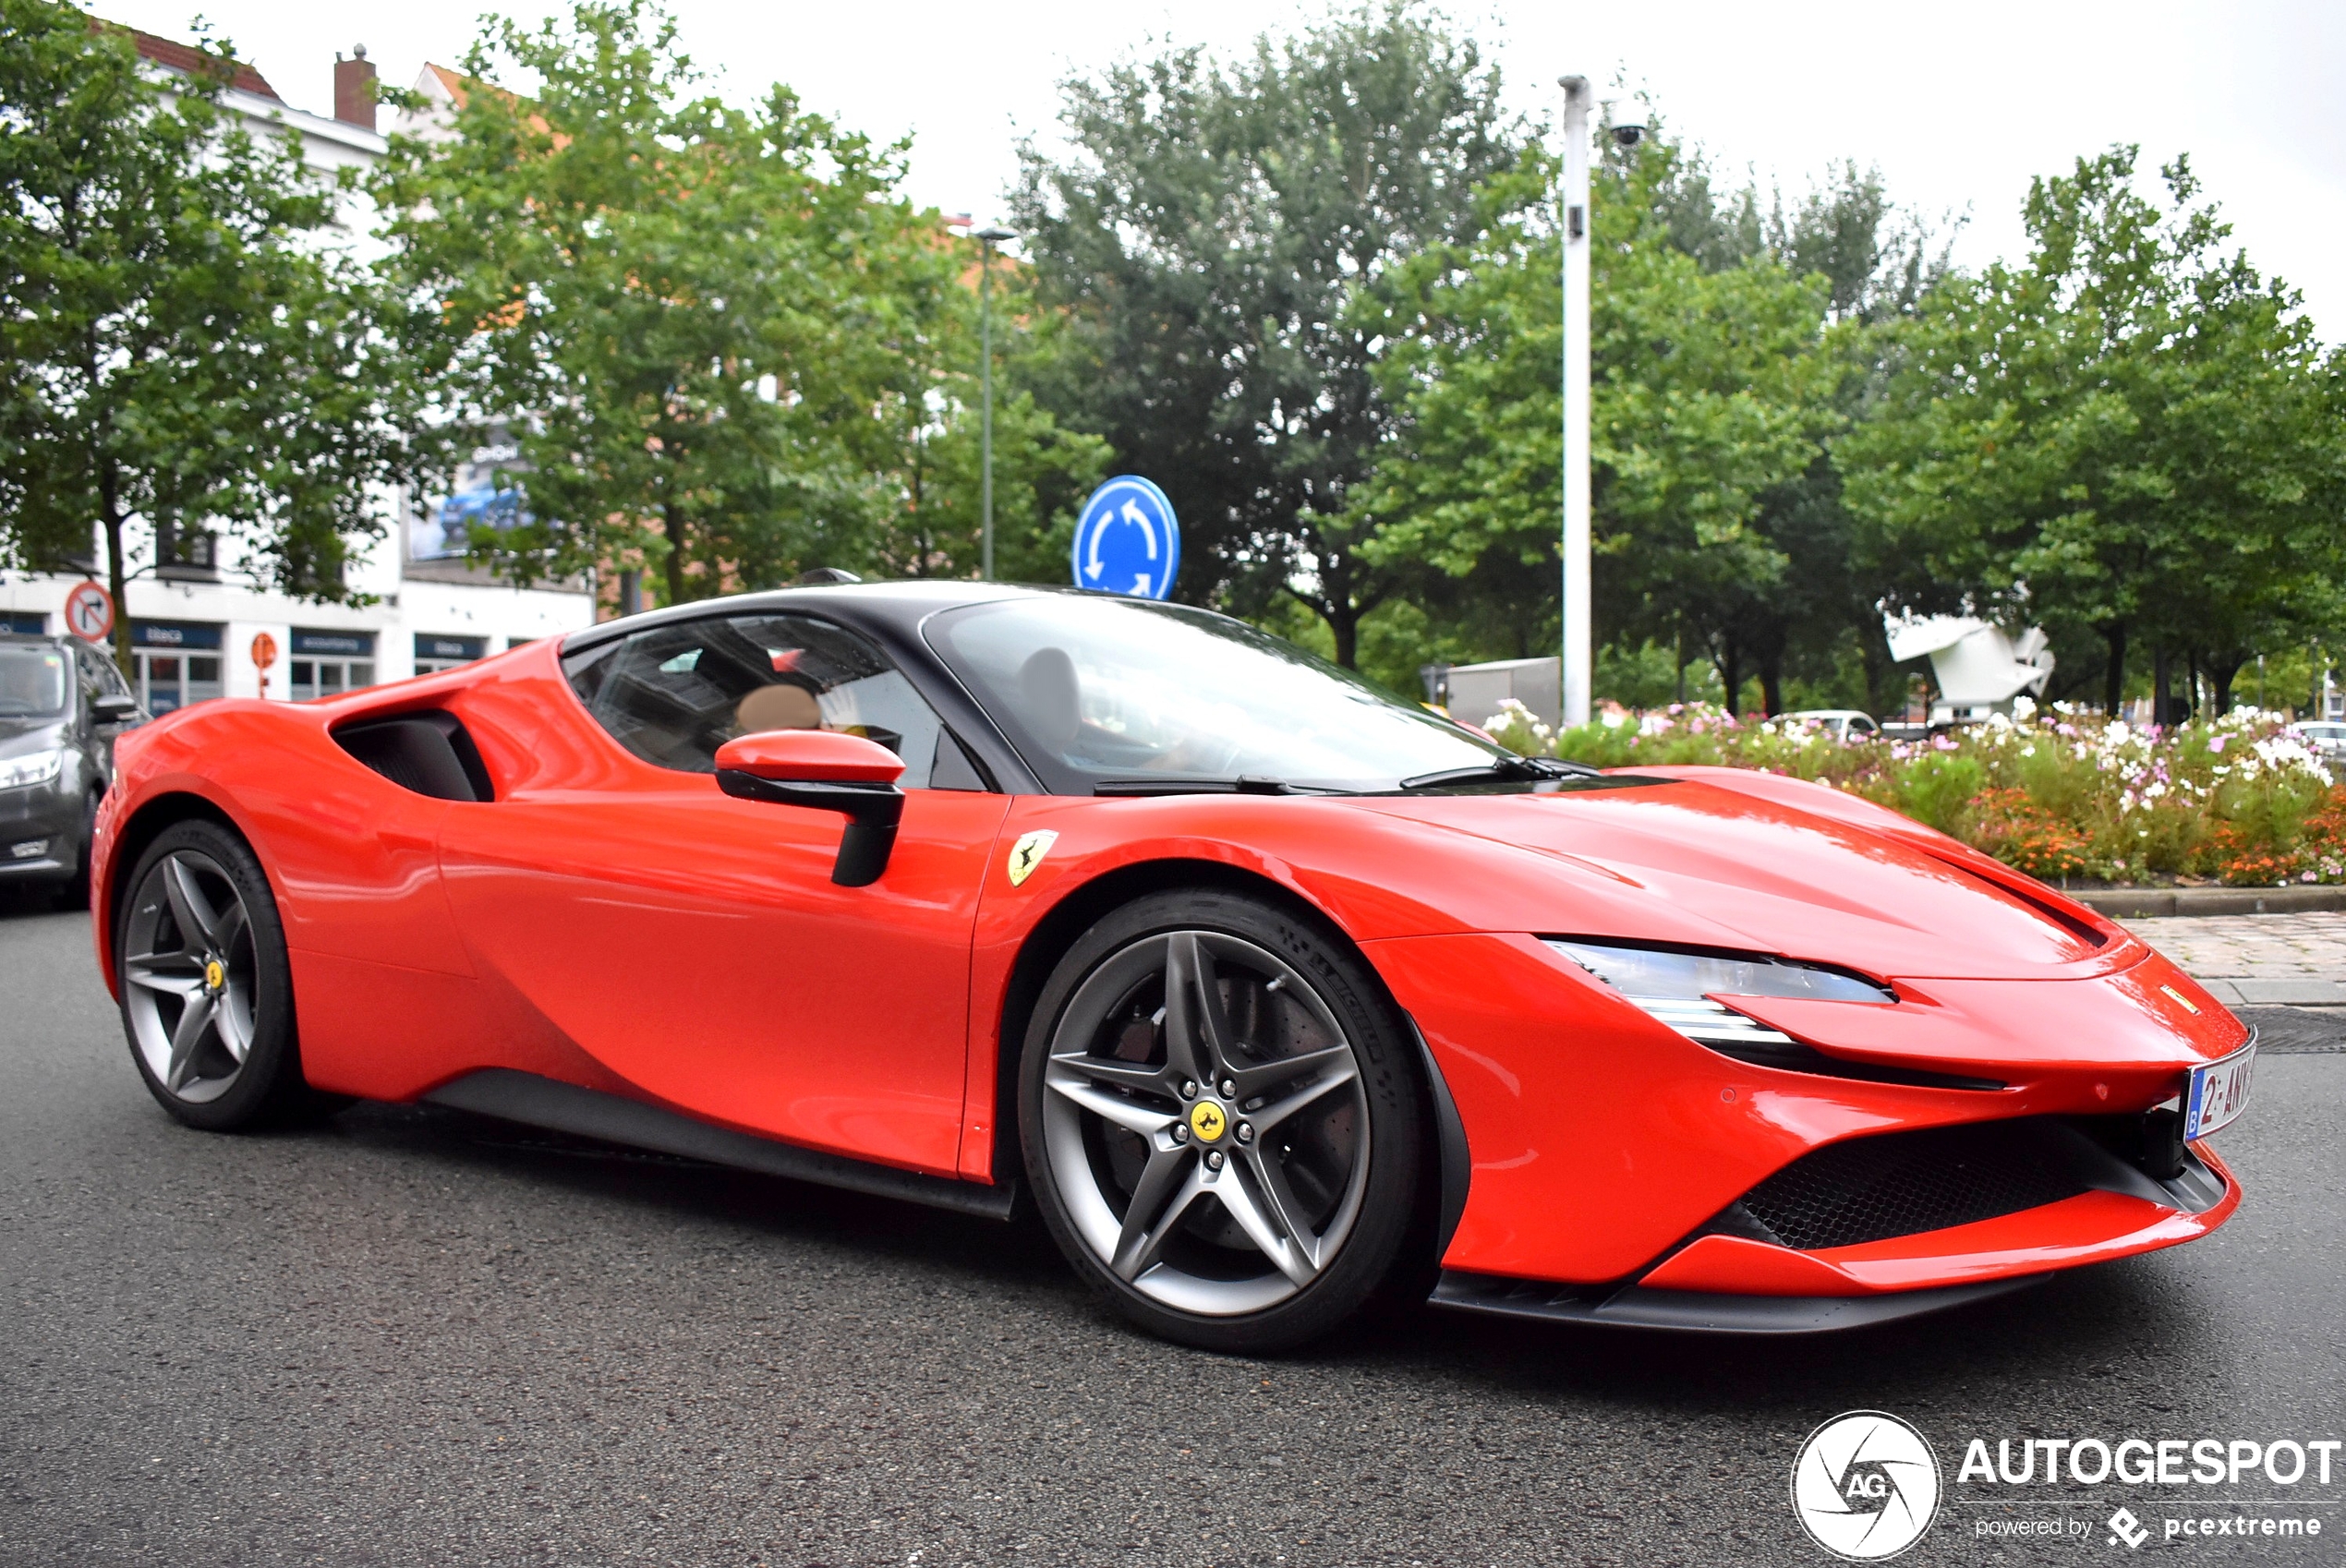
1222,1121
206,988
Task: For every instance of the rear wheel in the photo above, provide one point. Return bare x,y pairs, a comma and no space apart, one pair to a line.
1222,1122
206,993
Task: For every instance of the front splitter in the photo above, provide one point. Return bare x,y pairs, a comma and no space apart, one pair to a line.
1691,1312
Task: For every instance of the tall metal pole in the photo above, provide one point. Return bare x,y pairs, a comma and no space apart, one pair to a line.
985,400
1578,652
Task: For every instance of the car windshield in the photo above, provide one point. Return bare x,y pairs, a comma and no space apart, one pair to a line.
33,682
1097,691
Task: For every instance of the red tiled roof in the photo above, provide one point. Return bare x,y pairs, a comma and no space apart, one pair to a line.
457,87
189,60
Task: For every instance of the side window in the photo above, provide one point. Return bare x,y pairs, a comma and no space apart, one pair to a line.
675,693
103,670
85,667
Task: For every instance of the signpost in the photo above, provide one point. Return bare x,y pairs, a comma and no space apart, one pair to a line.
1127,540
264,654
1577,664
90,612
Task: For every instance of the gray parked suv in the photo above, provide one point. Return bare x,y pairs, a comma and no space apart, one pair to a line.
62,703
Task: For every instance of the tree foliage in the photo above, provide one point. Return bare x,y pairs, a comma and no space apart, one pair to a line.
181,339
1712,391
1206,235
2131,433
725,346
926,449
663,295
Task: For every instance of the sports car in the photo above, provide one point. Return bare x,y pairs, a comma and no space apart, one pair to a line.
1277,998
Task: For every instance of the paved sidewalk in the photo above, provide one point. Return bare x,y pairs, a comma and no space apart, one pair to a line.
2296,960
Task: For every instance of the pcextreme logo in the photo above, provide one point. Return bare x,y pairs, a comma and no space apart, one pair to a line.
1865,1486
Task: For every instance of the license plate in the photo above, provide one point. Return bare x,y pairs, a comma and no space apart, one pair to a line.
2218,1091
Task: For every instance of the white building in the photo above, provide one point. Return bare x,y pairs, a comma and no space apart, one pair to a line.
198,619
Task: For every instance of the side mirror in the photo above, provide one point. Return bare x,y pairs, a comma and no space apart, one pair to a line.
824,771
114,707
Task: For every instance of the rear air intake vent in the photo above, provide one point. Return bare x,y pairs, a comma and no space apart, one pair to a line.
1901,1183
428,753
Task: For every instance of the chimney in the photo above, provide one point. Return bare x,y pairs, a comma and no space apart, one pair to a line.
354,89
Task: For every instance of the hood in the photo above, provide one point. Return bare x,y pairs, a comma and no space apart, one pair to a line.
18,735
1775,866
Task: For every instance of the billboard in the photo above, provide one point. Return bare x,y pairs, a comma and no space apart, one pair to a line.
484,494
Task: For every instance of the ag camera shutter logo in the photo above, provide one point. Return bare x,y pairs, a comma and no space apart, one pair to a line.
1865,1486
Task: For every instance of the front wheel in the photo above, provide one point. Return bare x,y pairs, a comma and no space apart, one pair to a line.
1222,1121
74,892
207,991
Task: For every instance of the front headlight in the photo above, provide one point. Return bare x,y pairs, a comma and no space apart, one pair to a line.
1675,988
32,767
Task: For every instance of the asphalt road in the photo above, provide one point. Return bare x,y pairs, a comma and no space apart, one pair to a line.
409,1337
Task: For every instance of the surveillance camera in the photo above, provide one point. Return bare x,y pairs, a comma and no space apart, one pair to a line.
1627,136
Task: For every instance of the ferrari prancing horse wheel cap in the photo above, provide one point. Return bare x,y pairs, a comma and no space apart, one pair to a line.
1207,1121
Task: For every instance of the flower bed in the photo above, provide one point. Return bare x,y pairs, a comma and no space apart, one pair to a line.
2061,794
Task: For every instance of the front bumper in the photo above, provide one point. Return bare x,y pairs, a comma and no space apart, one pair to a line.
1621,1173
47,815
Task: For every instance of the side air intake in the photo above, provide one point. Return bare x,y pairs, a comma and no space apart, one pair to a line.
429,753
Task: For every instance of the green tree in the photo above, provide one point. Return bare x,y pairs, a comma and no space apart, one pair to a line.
1710,392
1205,237
180,341
2131,434
924,443
686,312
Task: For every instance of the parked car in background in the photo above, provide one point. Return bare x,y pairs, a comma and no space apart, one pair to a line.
2326,737
1845,723
62,703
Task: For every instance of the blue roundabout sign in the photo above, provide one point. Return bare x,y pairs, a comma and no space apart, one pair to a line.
1126,541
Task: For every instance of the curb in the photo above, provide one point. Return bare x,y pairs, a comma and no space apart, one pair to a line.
2302,992
2149,903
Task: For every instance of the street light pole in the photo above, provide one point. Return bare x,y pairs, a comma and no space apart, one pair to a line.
1579,649
986,240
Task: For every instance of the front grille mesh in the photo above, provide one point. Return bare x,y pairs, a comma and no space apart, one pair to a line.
1900,1182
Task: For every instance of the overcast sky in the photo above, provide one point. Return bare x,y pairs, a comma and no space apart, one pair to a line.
1958,105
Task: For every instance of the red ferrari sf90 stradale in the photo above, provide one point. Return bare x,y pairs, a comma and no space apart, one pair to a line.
1278,995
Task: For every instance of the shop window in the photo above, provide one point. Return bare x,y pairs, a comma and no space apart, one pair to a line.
177,664
328,677
168,681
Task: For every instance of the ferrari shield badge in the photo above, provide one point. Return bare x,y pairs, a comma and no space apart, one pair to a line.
1028,852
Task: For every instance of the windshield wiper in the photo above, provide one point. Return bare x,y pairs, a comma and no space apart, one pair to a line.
1502,770
1245,784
